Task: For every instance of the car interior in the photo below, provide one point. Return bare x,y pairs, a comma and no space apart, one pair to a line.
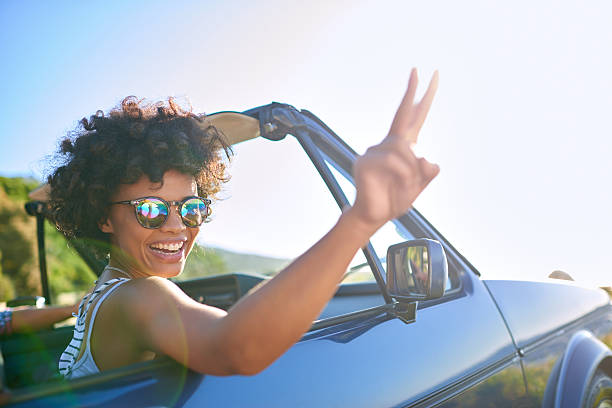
31,359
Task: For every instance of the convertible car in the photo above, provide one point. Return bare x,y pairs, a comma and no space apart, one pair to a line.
413,324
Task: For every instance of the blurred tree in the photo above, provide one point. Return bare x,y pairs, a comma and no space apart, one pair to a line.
17,188
7,292
17,238
67,271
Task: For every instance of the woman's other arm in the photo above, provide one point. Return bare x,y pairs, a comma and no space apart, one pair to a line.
32,319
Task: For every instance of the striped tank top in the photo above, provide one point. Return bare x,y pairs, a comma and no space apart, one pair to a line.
69,367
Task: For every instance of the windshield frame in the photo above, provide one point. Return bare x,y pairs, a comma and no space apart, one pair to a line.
315,152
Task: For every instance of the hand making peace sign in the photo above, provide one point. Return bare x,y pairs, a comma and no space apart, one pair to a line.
389,176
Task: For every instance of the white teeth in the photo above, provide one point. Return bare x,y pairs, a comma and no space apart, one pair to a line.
168,247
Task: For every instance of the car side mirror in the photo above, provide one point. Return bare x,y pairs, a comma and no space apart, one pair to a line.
416,270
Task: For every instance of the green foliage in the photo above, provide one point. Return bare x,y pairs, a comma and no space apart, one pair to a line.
7,292
66,270
17,241
17,188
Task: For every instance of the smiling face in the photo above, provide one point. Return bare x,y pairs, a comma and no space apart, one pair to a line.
144,252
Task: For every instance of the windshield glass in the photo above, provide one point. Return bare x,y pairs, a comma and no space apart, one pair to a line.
391,233
272,210
275,207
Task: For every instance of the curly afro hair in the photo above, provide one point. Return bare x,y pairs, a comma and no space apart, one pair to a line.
135,139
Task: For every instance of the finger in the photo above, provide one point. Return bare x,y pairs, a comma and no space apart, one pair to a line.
403,115
422,109
428,171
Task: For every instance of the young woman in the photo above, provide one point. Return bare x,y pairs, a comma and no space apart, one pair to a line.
139,182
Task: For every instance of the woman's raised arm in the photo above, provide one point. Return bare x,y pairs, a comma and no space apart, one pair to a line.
263,325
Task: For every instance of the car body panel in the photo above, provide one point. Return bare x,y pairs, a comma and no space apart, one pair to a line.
505,388
164,383
535,309
543,326
379,361
542,358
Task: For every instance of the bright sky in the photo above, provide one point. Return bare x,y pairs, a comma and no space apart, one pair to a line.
519,127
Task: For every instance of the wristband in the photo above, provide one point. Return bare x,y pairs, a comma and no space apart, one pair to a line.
6,320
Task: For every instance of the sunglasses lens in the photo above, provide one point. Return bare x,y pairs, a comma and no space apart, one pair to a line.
151,212
194,211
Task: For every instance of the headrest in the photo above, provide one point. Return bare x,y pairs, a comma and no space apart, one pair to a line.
236,126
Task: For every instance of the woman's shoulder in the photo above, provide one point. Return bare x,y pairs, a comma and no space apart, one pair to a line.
144,296
150,283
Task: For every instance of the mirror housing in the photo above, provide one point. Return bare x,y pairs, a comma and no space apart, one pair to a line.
416,270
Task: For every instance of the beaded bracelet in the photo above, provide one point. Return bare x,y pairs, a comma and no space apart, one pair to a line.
6,318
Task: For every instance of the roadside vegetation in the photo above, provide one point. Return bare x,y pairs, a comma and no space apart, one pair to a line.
20,275
69,275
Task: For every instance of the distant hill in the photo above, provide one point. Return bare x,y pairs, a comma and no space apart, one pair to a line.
67,272
208,261
250,263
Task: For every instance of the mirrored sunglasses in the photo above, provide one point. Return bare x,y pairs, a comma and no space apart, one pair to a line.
152,212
